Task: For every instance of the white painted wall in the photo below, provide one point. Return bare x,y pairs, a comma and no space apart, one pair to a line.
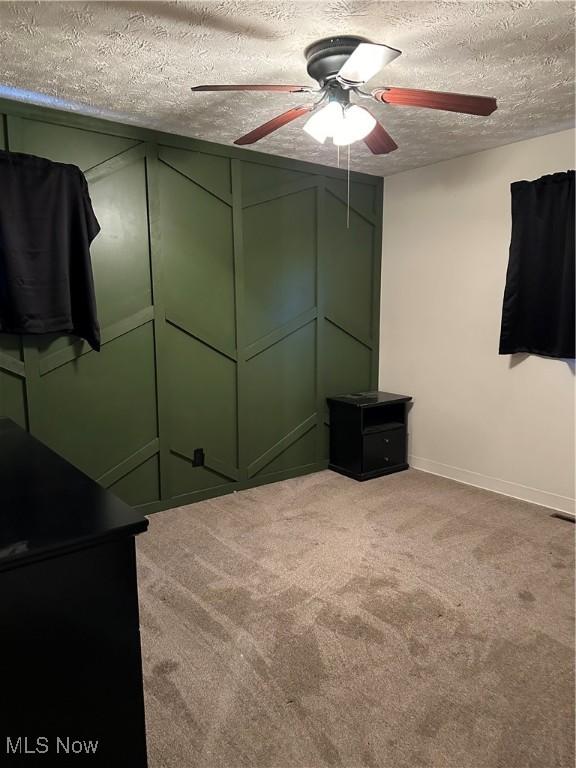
505,423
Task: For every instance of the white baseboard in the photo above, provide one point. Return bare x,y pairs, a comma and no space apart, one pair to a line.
525,493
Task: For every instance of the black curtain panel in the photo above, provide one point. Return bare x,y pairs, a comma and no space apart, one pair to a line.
538,310
46,227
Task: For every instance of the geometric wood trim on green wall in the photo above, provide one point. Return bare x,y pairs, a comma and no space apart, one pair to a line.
242,422
180,324
62,356
283,443
354,334
225,197
322,265
12,365
232,297
157,279
129,463
225,471
369,215
282,190
293,325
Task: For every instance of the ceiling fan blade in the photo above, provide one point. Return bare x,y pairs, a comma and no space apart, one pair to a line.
278,88
379,141
451,102
366,61
273,125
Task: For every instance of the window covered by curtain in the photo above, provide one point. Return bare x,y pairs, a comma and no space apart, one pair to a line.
538,309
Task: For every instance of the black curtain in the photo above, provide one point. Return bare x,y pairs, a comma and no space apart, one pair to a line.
538,310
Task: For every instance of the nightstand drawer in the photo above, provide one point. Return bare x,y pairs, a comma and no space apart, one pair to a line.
383,449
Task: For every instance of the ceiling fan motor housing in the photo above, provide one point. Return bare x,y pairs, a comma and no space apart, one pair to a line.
326,57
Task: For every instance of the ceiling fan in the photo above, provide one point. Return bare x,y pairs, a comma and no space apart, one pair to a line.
341,65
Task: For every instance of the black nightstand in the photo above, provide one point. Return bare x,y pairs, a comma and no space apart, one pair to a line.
368,434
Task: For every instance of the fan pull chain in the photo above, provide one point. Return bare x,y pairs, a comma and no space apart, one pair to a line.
338,154
348,193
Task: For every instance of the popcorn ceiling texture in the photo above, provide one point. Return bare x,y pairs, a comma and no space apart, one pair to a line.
135,62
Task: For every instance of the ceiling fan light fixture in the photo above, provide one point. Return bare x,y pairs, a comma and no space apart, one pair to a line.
340,64
321,124
356,124
344,125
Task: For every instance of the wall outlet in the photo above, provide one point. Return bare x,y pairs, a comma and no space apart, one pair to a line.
198,457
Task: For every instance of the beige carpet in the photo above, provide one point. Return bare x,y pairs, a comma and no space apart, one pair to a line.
404,622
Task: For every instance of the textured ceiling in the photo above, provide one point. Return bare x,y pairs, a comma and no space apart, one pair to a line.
135,62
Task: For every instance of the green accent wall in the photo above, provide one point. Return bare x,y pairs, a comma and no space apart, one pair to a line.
232,298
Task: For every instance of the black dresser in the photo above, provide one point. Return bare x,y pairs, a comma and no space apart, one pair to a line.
70,663
368,434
